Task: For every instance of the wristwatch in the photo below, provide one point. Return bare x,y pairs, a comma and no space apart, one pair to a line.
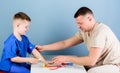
39,59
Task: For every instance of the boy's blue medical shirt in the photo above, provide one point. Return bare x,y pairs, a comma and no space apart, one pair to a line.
13,48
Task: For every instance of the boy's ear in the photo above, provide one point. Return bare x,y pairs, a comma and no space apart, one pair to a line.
18,25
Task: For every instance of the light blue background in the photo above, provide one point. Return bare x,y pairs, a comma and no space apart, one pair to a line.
52,20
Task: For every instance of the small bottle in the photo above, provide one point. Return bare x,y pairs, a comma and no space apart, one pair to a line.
68,63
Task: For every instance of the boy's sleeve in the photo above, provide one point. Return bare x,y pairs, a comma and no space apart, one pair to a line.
30,47
10,50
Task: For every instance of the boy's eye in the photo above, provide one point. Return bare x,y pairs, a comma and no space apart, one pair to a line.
25,27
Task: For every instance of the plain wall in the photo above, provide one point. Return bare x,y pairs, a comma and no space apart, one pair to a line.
53,20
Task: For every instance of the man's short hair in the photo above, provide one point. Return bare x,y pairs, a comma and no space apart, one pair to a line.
83,11
21,15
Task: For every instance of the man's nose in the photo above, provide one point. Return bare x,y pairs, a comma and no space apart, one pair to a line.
79,26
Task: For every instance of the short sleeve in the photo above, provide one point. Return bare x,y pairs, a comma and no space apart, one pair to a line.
79,35
30,47
98,39
10,50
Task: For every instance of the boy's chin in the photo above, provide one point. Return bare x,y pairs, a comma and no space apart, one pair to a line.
23,34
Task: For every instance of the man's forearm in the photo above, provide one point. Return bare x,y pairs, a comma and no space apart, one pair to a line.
63,44
91,59
55,46
87,61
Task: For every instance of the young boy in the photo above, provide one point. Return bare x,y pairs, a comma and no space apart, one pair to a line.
17,45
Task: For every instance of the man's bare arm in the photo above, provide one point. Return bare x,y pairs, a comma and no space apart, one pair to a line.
63,44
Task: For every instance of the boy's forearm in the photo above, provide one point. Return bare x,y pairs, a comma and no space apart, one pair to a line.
38,55
19,59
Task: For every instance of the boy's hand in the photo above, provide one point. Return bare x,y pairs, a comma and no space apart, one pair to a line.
39,48
33,60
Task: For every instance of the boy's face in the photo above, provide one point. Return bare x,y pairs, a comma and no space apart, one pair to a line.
22,26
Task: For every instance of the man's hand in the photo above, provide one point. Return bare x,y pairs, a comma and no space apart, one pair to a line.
61,59
39,48
33,60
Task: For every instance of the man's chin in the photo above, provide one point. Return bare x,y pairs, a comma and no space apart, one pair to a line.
83,30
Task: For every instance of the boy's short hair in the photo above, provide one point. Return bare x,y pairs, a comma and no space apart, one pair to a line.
83,11
21,15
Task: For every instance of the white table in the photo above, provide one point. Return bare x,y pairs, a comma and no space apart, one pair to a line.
37,68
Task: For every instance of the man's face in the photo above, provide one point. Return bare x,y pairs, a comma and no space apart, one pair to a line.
83,22
22,26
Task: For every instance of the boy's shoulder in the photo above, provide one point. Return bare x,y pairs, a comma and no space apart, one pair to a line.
10,39
25,37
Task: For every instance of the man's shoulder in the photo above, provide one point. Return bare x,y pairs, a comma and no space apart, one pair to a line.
101,26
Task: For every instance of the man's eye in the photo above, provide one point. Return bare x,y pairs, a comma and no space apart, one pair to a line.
79,23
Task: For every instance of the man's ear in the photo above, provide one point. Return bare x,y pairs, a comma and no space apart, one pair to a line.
90,18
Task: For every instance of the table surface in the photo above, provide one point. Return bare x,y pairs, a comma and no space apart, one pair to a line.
38,68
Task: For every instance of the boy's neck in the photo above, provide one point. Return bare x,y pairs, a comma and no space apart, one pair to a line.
17,35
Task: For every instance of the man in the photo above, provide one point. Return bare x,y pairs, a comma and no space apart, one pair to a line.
103,46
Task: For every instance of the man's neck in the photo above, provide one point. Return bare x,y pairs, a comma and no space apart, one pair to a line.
93,25
17,35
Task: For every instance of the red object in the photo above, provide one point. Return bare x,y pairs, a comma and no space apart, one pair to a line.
2,72
53,67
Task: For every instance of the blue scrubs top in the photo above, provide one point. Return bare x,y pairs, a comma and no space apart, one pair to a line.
13,48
